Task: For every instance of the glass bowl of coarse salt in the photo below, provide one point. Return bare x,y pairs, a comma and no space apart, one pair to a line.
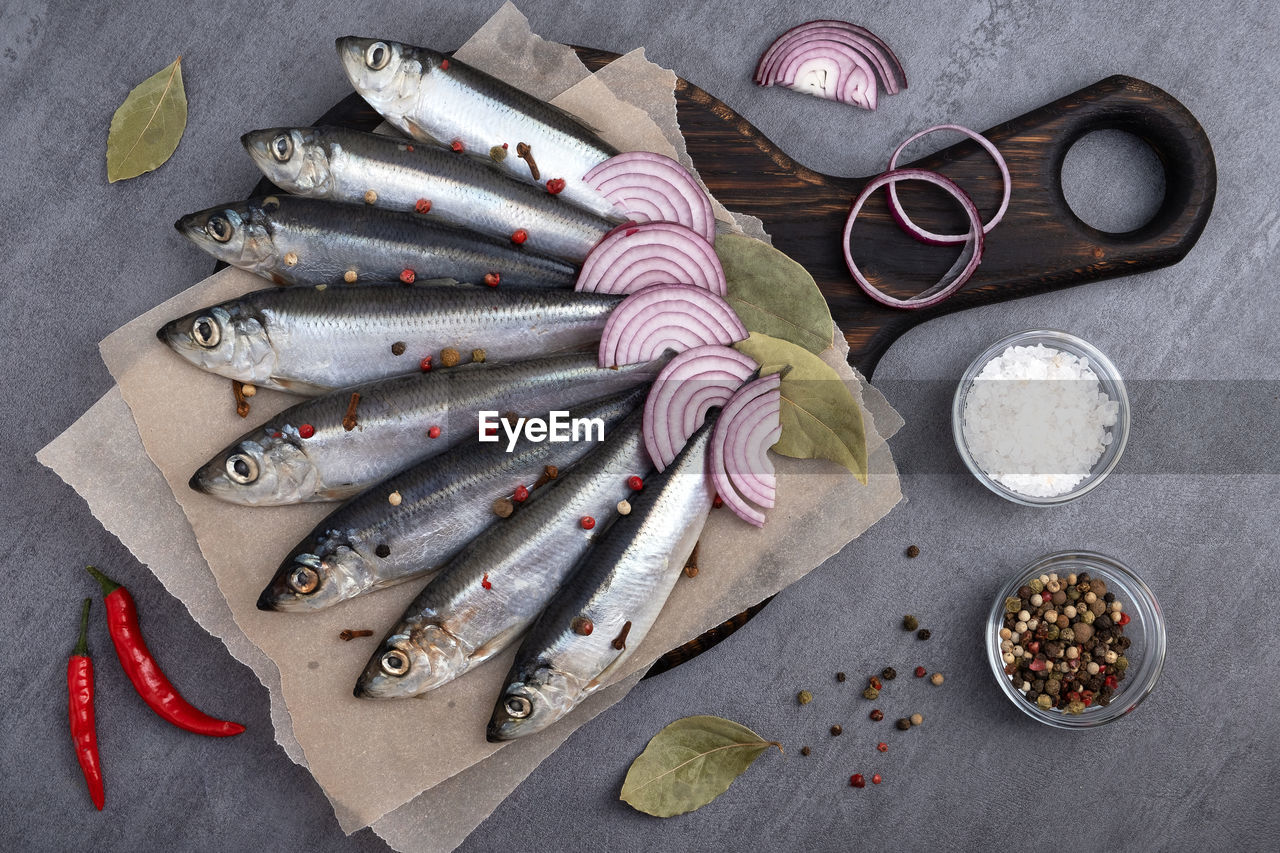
1040,417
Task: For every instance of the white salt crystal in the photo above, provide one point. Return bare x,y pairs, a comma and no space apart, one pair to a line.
1036,420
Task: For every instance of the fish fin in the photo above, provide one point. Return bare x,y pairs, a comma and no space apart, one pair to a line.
297,386
496,644
419,132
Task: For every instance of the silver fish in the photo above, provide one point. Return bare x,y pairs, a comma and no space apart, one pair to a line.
344,165
486,597
436,98
305,454
446,502
308,341
620,586
293,240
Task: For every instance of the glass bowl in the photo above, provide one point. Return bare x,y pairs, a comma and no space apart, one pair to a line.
1146,631
1109,382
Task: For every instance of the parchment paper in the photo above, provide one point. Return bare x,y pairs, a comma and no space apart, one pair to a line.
357,749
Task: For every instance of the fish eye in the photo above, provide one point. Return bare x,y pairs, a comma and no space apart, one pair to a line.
205,332
395,662
241,468
377,55
304,579
518,707
219,229
282,147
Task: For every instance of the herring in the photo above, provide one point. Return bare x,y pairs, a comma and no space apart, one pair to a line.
306,341
436,98
368,544
352,166
305,453
618,588
294,240
485,598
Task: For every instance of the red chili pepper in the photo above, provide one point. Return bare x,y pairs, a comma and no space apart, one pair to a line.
520,495
80,692
634,483
142,669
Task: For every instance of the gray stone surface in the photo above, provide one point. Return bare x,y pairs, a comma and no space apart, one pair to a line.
1193,768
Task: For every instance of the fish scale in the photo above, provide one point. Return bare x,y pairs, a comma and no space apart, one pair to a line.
311,342
446,502
486,596
305,454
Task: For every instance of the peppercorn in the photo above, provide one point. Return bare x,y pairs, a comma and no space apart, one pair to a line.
804,697
875,779
870,693
921,672
449,356
875,682
1044,701
836,730
857,781
903,724
876,714
936,679
883,747
888,673
913,551
804,750
910,623
917,719
924,634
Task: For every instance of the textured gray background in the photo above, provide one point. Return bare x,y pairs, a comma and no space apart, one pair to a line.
1194,768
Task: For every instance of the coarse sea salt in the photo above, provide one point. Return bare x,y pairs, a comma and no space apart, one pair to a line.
1036,420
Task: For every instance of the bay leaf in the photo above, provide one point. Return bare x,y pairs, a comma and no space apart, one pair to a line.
147,127
820,417
690,763
773,294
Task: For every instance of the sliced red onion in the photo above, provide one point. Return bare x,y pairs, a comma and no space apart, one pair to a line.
654,188
924,236
683,393
634,256
749,424
667,316
952,280
832,59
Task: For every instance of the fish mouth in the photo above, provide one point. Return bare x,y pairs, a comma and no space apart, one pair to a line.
358,690
267,601
197,484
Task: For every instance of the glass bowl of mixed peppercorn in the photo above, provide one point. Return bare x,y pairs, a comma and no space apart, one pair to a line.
1076,640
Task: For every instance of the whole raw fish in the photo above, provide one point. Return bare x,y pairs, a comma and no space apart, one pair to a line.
436,98
494,589
345,165
307,453
446,502
618,588
309,341
293,240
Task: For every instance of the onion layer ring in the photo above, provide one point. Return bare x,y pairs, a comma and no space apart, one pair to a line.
925,236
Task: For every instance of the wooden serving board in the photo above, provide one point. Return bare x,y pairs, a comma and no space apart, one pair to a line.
1041,245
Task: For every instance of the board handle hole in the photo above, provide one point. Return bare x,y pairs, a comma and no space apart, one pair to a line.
1113,181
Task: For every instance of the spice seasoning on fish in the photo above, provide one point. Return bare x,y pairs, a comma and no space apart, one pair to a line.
349,634
624,508
349,419
449,357
395,498
549,473
433,432
1063,642
555,186
498,153
350,276
583,626
422,205
620,641
484,581
143,671
425,364
635,483
291,259
306,431
399,347
519,236
457,145
525,153
503,508
84,733
370,197
588,523
237,391
408,276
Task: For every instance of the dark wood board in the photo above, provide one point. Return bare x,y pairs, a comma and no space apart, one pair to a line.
1041,245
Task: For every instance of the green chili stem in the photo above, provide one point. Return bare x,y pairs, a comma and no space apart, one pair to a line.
108,585
82,647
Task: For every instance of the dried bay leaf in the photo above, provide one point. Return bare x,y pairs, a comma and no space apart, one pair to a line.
773,294
820,417
690,763
147,127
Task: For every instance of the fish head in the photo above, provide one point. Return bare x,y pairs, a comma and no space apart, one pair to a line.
530,705
268,468
392,77
294,159
315,577
228,339
234,233
412,660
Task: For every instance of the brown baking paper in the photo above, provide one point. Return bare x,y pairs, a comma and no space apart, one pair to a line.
358,750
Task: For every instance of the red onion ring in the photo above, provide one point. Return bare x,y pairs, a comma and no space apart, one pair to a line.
667,316
749,424
924,236
683,393
888,68
653,188
946,285
633,256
